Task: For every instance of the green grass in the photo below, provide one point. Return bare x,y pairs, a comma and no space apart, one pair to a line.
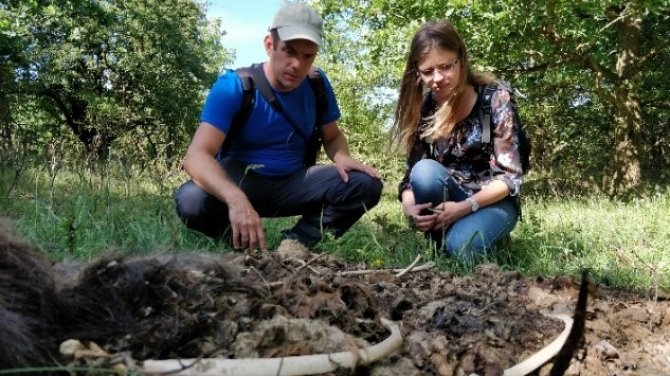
79,213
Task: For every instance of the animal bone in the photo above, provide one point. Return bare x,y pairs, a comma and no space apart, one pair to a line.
541,357
564,345
287,366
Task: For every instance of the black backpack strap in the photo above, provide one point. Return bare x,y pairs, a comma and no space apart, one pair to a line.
319,89
321,97
247,100
485,94
253,77
242,116
264,87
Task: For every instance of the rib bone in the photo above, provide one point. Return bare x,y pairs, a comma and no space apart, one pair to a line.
541,357
287,366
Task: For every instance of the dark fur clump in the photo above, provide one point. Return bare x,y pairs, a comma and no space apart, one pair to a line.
26,300
154,306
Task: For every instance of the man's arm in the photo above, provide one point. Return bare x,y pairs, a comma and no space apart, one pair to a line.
337,150
334,142
200,163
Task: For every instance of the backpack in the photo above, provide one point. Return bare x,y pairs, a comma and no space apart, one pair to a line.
485,94
253,77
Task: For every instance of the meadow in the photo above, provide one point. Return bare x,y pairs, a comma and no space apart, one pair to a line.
81,212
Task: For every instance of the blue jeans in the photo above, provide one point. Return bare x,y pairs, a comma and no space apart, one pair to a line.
472,235
316,193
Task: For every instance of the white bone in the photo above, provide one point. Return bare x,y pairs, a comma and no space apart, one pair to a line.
287,366
541,357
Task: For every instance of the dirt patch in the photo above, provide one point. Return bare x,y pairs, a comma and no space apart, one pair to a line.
258,304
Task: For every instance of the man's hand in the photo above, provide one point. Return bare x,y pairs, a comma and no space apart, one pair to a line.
335,145
204,169
246,226
345,163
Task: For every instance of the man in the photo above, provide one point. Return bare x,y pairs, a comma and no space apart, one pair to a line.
262,172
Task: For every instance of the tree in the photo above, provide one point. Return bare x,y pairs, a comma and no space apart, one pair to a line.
11,47
113,69
585,68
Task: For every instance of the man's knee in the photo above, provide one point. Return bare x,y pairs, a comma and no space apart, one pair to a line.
370,188
190,201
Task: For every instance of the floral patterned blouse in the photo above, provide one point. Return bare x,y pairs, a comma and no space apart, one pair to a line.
470,162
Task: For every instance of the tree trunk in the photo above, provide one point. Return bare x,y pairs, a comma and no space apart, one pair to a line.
74,110
624,171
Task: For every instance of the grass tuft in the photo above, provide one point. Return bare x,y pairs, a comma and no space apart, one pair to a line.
80,213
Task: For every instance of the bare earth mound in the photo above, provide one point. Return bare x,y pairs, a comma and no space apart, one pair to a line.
262,305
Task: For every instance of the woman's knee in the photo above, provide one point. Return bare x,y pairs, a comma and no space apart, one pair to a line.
428,181
426,172
466,245
477,237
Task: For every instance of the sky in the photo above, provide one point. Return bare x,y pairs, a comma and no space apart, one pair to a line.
246,23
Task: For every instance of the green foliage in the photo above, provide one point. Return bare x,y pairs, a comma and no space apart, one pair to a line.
81,77
125,81
591,81
129,73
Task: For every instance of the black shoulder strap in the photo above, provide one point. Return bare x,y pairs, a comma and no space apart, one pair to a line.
264,87
266,91
485,93
316,83
247,101
254,73
253,77
319,89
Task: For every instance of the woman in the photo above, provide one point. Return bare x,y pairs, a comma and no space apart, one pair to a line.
459,190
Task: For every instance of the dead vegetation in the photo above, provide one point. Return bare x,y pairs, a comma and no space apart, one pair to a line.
201,305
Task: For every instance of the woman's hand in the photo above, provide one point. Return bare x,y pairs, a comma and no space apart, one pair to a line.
421,222
449,212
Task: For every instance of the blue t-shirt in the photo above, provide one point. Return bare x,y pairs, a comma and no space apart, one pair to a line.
268,140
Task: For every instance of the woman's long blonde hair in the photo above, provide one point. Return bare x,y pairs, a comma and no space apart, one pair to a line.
443,35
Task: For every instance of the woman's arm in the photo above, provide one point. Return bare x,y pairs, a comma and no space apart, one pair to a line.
449,212
506,158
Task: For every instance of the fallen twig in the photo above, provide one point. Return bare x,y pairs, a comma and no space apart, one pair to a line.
305,264
287,366
426,266
568,350
410,267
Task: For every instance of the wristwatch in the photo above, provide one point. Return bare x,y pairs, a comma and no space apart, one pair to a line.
474,205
